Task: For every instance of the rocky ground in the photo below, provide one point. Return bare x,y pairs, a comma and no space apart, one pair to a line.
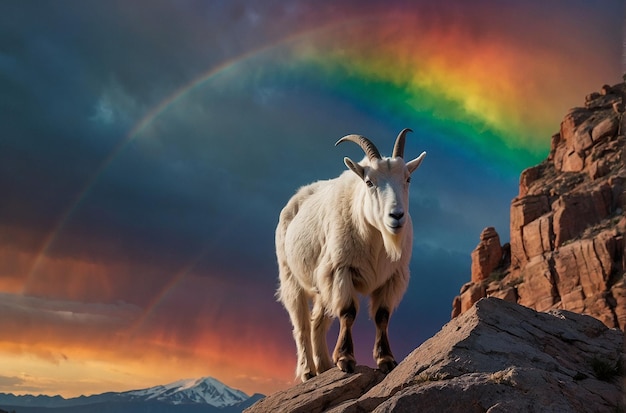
498,357
537,329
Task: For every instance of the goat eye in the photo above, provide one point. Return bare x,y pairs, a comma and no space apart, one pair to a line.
369,183
408,180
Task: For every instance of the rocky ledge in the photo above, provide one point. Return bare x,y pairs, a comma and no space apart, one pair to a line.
496,357
567,226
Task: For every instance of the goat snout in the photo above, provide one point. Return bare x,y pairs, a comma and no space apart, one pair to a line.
395,219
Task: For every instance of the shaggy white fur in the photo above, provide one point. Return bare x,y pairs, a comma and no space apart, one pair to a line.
340,237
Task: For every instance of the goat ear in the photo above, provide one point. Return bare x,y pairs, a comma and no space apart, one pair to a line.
415,163
354,167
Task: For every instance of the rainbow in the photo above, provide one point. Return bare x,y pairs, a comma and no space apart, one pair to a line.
470,94
476,96
139,127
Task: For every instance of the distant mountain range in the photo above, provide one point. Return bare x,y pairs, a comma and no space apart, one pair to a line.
184,396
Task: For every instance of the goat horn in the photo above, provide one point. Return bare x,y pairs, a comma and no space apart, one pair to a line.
398,147
368,147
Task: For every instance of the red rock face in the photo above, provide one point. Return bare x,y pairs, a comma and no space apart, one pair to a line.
487,255
567,227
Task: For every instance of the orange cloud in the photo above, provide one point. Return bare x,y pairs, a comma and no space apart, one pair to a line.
102,339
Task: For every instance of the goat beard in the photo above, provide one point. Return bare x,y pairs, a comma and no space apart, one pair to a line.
393,245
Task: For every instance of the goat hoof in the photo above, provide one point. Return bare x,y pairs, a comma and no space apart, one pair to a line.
346,364
306,376
387,366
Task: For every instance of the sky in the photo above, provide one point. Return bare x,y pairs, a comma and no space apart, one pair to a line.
147,148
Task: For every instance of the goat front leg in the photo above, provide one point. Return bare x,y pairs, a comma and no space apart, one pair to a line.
343,356
383,300
382,350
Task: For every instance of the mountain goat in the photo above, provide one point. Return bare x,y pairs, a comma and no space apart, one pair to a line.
336,238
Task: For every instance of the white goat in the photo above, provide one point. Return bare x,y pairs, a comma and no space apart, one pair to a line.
336,238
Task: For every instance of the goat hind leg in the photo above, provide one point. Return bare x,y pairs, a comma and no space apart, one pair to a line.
295,301
320,323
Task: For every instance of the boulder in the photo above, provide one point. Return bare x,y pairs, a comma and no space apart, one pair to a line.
537,289
575,211
321,392
498,356
527,177
524,211
487,255
618,292
605,128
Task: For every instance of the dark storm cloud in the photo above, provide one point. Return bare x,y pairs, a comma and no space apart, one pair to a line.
178,197
157,211
78,79
214,169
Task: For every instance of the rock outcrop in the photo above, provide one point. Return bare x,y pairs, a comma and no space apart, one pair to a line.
498,357
537,329
567,248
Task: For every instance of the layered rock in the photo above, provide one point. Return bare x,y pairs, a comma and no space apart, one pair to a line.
497,357
487,256
567,224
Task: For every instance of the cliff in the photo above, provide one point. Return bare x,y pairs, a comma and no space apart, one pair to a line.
533,331
567,223
498,356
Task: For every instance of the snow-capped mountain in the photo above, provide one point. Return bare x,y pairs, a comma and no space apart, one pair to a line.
191,395
205,390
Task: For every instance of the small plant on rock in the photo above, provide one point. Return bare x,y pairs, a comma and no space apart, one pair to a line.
605,370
